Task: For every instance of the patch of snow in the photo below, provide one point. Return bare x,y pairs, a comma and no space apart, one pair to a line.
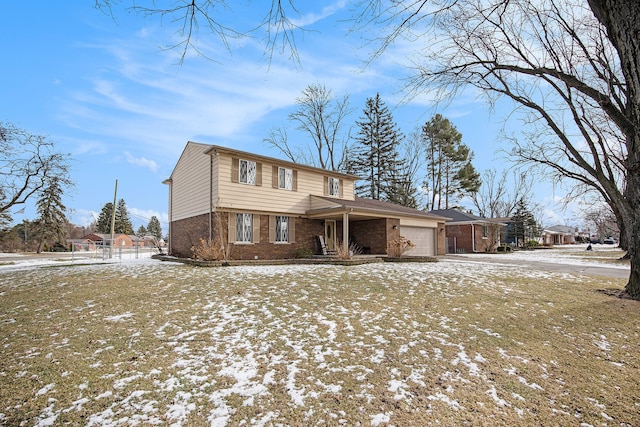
46,389
446,399
119,318
378,419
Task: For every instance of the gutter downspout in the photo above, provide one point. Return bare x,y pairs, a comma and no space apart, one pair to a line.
473,238
210,196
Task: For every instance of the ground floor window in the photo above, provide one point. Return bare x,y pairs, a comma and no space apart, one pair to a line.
244,228
282,228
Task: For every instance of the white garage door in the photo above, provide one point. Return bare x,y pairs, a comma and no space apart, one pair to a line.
422,237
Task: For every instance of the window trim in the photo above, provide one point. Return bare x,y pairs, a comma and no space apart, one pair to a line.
333,186
290,181
243,232
255,171
287,231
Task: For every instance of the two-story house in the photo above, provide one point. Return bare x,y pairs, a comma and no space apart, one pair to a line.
268,208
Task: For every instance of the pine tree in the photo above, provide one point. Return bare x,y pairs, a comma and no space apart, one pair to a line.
141,231
374,156
450,173
123,223
51,224
524,227
154,228
103,223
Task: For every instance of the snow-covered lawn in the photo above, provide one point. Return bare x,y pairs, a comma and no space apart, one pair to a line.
599,256
451,343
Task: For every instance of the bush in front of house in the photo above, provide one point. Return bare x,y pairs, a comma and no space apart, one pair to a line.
397,247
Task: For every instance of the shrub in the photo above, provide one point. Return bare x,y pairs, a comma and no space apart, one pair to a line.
208,251
344,251
304,253
399,246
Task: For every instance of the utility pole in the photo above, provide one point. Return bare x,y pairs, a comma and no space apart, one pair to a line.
113,220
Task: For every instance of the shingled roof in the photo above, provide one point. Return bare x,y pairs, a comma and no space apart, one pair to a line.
461,217
382,207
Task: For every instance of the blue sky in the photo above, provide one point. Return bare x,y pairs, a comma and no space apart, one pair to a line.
109,94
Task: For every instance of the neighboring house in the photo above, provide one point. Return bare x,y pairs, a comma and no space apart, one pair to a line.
120,240
266,208
559,235
467,233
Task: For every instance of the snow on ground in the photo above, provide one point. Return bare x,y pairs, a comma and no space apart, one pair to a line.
14,261
259,345
565,254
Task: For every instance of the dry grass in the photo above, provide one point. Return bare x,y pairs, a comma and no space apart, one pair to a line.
378,344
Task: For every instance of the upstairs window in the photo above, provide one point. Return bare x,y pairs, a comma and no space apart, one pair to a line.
334,187
247,172
285,178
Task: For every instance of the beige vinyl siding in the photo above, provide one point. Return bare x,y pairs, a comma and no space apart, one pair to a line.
417,222
266,198
190,183
318,203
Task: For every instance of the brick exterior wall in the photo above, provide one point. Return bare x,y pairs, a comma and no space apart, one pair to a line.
187,233
463,235
371,235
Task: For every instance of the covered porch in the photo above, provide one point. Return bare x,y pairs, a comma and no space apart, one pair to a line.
369,225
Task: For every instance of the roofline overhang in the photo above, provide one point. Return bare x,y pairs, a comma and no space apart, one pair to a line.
216,149
341,209
487,222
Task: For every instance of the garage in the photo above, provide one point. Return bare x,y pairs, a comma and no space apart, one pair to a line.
422,237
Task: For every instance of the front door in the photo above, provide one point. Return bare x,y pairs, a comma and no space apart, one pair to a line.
330,235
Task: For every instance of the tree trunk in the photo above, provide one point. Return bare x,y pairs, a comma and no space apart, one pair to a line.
622,20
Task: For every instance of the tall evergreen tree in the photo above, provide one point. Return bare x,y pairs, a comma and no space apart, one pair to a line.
154,228
374,156
450,173
51,224
122,223
524,227
103,223
142,231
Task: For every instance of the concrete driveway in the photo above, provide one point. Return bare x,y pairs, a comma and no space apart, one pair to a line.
595,270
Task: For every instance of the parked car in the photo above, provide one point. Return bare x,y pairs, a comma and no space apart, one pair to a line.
594,241
609,241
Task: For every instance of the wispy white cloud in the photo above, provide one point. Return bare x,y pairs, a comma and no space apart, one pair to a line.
142,217
311,18
141,161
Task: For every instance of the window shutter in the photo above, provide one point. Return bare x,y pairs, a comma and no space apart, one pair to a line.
258,173
292,229
326,185
232,227
274,176
235,169
340,189
256,228
272,229
294,179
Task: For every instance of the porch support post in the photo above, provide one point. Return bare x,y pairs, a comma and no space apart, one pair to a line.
345,228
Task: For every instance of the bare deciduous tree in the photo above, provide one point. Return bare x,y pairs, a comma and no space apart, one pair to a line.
321,117
574,77
498,196
28,162
190,17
